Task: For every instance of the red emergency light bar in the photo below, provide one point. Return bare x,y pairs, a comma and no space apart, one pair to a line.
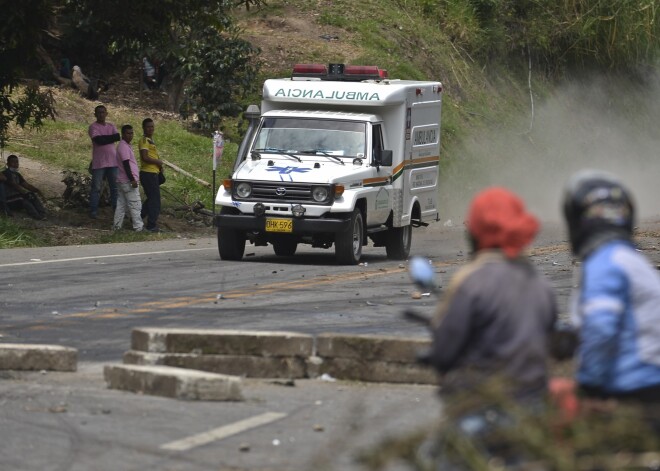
339,72
362,70
309,70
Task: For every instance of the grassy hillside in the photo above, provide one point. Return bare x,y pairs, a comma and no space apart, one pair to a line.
503,121
507,120
383,32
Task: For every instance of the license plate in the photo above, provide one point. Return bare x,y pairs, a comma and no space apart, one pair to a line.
279,225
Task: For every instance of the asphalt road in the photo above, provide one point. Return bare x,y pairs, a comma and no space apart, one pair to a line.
91,297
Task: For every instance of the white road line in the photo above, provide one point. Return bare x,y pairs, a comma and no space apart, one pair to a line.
95,257
222,432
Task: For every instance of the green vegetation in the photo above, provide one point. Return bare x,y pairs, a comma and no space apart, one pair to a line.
604,438
195,41
12,235
493,58
64,143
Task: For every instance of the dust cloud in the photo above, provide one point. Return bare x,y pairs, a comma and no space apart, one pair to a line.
610,124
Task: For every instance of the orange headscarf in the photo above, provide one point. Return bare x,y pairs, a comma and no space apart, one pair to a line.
497,219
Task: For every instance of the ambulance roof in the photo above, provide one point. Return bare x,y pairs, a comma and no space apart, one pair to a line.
318,114
366,93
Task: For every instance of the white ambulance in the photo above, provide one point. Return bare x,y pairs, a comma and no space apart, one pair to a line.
337,155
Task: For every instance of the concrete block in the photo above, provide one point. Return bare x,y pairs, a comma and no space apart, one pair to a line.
222,342
370,347
249,366
149,340
15,356
173,382
377,371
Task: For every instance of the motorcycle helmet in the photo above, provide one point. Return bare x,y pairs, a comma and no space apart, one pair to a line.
597,208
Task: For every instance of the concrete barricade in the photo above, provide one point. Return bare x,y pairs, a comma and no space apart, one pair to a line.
251,366
179,383
222,342
370,347
15,356
374,358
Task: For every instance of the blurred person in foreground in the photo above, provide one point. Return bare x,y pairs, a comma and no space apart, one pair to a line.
491,334
497,316
616,307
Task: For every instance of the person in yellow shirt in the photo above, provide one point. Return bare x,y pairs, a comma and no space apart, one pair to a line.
150,169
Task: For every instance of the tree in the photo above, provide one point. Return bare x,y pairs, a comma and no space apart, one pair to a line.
21,31
220,69
195,40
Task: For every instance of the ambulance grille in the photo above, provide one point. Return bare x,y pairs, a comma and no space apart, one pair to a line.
284,192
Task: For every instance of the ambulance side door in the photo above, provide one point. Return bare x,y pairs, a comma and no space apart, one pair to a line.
422,179
379,201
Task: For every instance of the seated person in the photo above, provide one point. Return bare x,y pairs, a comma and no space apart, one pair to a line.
19,193
4,210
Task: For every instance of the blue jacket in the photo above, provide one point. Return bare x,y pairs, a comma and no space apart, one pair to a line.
618,311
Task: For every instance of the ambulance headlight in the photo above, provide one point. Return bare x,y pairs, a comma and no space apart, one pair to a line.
320,194
243,190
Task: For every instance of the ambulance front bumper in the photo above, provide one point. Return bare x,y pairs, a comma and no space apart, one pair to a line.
248,222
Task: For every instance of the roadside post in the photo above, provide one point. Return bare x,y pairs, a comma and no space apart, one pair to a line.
218,149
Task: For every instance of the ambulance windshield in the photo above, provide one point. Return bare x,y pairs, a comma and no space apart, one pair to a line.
312,136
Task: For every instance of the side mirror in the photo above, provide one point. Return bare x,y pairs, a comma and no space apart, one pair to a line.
252,115
385,158
422,273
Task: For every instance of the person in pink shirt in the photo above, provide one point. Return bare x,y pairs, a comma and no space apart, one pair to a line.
104,159
128,175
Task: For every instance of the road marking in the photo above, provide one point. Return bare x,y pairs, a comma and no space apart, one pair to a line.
96,257
225,431
202,299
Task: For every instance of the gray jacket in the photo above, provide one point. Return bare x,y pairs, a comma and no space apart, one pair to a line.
495,321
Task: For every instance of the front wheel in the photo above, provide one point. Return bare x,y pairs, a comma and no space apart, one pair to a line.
398,242
348,245
231,244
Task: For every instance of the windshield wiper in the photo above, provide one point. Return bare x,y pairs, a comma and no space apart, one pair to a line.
274,150
322,152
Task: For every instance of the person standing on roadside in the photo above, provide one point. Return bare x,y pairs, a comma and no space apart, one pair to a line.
104,159
616,308
128,199
150,169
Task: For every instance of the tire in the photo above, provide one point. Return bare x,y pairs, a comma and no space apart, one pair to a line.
348,245
285,248
231,244
398,244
